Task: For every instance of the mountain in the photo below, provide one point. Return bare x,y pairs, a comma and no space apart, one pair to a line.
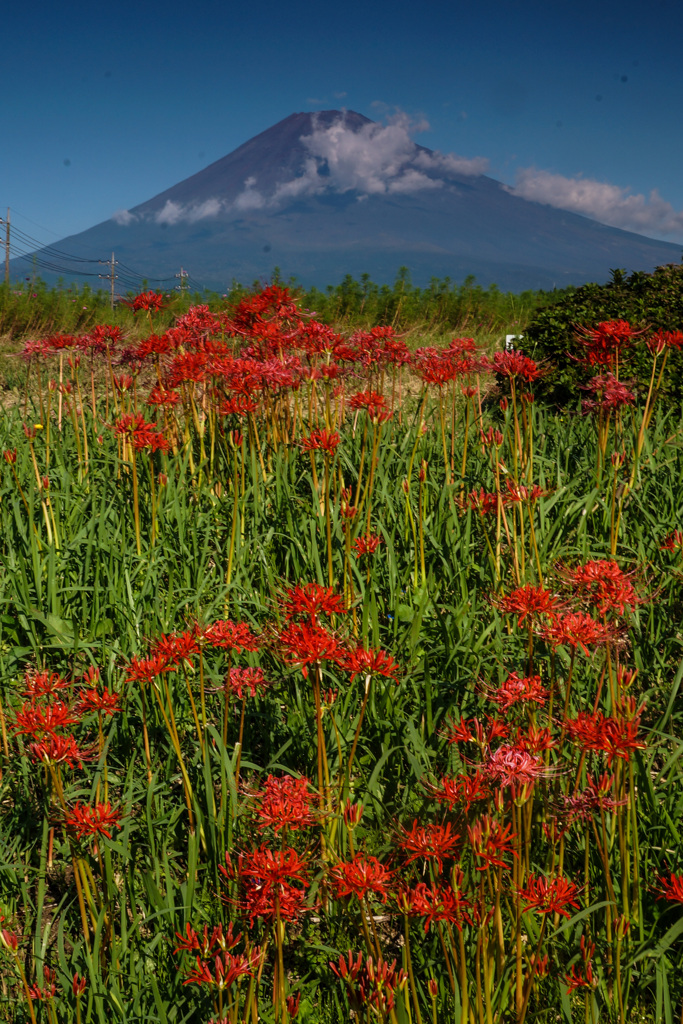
325,194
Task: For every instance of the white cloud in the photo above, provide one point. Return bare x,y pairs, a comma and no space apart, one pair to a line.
173,213
610,204
123,217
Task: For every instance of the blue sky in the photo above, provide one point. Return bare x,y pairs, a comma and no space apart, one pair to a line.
573,103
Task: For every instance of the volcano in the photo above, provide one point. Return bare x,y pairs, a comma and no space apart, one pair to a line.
321,195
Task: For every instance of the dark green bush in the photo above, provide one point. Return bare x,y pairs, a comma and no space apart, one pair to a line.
651,301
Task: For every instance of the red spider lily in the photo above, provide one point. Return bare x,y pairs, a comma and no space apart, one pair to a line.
78,986
142,434
535,739
671,542
92,700
321,440
10,940
361,877
435,903
490,842
604,584
491,437
515,691
369,662
367,544
208,946
662,340
234,636
369,400
607,394
520,492
460,732
35,721
481,501
549,897
371,983
595,796
275,883
311,600
604,343
285,802
240,680
471,730
10,456
615,735
528,601
163,396
576,979
176,647
92,821
307,644
239,405
575,630
106,335
429,842
271,868
43,684
49,989
54,750
671,888
512,365
148,301
462,790
144,670
224,971
511,766
352,814
292,1003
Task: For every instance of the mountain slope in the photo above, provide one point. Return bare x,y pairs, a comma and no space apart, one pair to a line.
322,195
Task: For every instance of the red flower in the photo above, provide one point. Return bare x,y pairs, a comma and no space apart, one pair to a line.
463,790
672,541
512,364
435,903
607,393
93,700
251,679
321,440
150,301
367,544
370,662
312,600
234,636
429,842
142,434
512,766
549,897
605,585
362,876
671,888
144,670
370,983
490,842
219,941
515,690
370,400
604,343
50,987
285,803
275,883
529,601
57,750
307,644
575,630
35,721
224,971
92,821
615,735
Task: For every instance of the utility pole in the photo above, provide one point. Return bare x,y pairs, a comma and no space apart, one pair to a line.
112,275
6,247
181,287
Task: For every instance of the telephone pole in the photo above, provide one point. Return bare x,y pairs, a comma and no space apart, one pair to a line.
182,286
112,275
6,247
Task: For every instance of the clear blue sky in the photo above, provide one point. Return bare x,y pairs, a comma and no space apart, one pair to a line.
574,102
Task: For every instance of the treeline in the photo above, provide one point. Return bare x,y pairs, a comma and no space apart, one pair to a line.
30,309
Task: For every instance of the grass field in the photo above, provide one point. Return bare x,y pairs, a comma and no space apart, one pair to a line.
339,681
